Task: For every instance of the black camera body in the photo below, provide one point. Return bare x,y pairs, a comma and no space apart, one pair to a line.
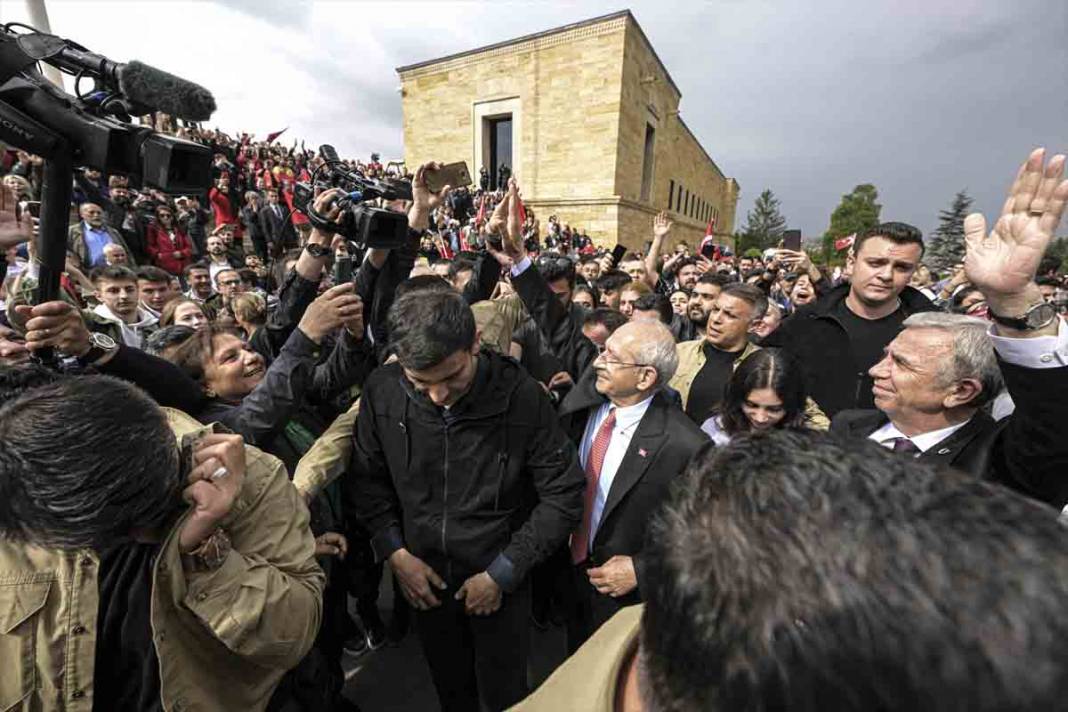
364,224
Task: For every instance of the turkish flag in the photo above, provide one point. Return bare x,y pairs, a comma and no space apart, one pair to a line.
272,136
846,242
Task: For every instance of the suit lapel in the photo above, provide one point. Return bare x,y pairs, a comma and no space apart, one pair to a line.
647,440
946,451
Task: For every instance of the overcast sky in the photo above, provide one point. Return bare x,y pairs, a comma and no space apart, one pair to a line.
806,97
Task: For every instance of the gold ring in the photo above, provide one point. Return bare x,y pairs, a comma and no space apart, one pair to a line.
1036,213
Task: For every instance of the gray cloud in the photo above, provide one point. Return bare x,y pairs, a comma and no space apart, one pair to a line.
808,98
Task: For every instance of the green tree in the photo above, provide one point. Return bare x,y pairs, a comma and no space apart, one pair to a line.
945,250
857,212
764,224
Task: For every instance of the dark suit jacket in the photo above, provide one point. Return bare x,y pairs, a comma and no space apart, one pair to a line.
1027,452
662,446
277,231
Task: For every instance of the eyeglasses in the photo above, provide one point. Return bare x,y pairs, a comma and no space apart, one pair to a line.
229,282
612,362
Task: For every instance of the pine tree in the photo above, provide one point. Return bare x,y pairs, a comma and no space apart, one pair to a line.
764,224
945,250
857,212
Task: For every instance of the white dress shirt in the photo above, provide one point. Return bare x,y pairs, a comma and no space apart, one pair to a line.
627,420
1039,352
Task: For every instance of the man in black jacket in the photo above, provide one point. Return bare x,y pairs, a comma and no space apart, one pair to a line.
465,478
942,368
633,442
840,337
276,228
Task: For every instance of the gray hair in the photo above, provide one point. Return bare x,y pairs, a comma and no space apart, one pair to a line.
973,352
658,350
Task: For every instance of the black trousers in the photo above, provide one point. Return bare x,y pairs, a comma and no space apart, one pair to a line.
586,610
477,657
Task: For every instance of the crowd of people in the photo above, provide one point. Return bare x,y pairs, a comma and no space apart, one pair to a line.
732,481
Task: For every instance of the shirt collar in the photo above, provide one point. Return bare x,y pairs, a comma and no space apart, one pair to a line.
629,415
923,441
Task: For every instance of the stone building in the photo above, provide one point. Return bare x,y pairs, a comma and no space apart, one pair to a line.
586,117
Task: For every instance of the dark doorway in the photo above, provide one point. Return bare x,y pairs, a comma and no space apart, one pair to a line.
500,149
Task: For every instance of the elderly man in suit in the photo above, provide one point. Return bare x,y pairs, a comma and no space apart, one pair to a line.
87,238
633,442
937,374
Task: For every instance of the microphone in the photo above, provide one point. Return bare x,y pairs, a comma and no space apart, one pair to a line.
161,90
141,84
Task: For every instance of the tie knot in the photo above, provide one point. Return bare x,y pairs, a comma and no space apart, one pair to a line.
610,421
906,446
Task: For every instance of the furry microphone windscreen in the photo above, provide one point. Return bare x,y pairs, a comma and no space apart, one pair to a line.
165,92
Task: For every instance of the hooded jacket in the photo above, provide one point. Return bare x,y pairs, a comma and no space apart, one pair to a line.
497,488
132,334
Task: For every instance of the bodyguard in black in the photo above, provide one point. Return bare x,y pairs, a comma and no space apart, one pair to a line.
839,338
465,478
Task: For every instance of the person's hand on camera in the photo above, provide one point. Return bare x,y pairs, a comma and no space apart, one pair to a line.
212,487
336,307
57,325
326,205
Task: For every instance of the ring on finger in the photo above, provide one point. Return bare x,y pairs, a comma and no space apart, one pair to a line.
220,473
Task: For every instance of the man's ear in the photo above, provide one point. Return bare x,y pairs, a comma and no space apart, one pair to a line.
477,345
963,394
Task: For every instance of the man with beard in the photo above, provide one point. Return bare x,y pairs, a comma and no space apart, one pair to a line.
197,277
704,294
218,257
119,212
87,239
116,288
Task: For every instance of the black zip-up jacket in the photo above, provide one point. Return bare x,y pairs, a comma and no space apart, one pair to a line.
821,345
498,488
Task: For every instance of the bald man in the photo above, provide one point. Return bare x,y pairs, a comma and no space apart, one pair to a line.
87,239
633,442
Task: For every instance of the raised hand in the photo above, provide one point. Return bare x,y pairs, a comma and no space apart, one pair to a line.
662,225
1003,262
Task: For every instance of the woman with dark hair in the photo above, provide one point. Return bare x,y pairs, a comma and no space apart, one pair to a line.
183,311
585,296
272,405
766,392
168,245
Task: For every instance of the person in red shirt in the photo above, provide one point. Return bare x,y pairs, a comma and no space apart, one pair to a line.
168,246
222,206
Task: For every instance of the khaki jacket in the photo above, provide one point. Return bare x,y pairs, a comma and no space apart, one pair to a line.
692,358
587,681
224,637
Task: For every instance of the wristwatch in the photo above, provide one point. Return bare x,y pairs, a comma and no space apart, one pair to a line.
100,345
316,250
1037,316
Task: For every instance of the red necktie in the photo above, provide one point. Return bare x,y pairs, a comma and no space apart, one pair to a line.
580,540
